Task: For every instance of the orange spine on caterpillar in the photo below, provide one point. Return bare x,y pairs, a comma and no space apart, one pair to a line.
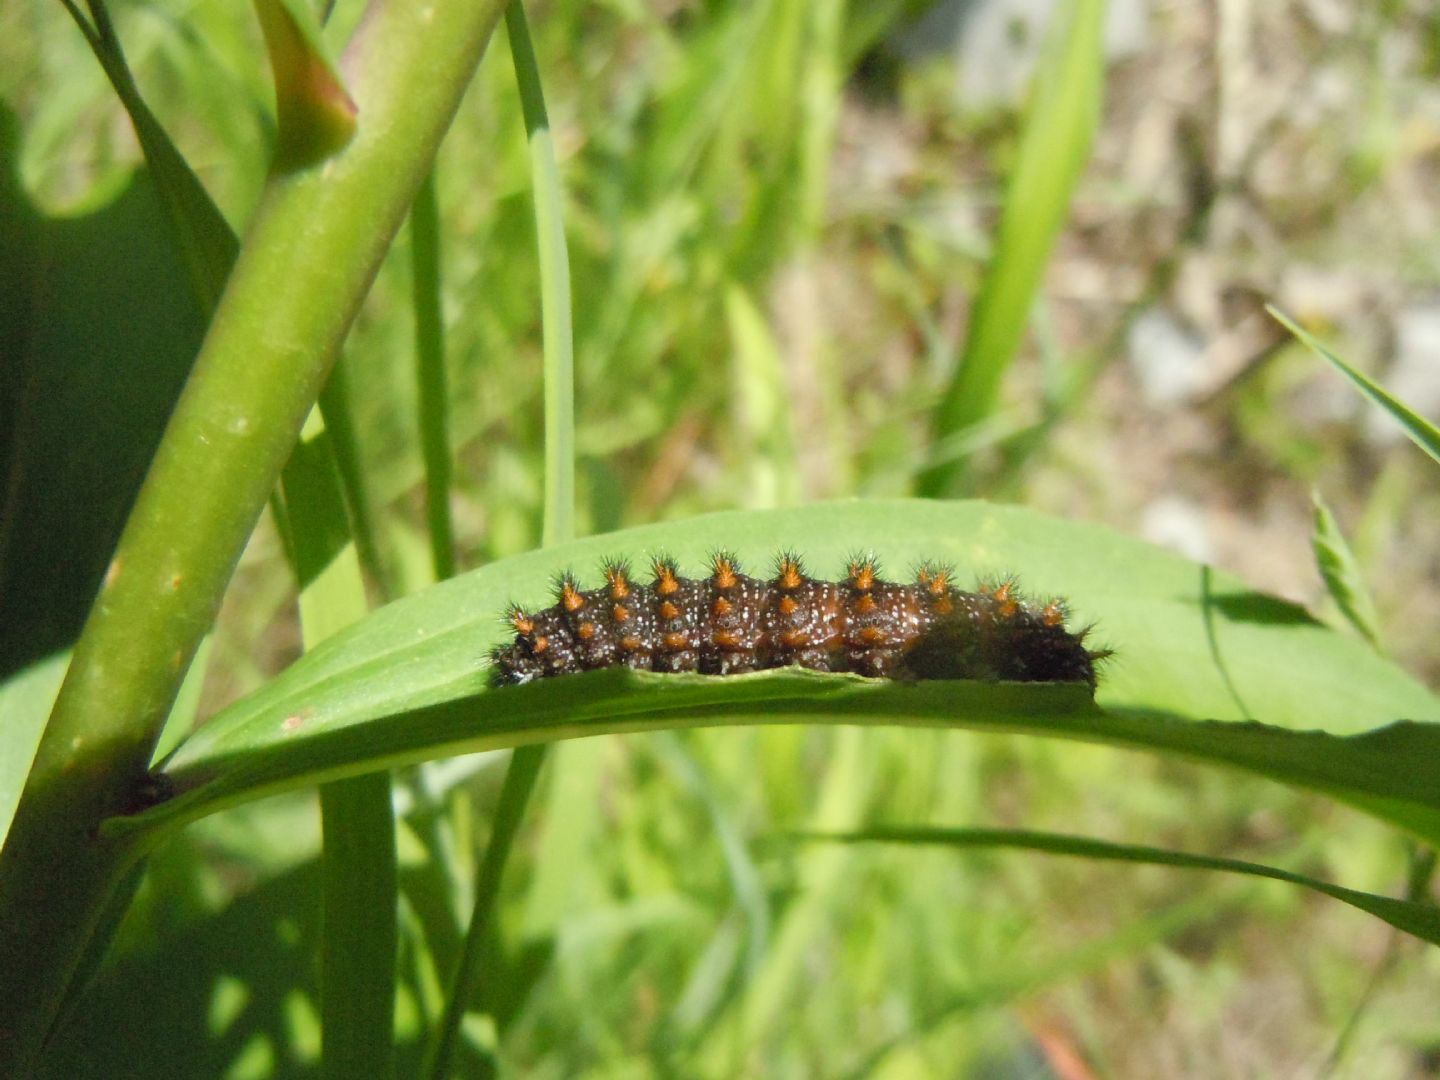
729,622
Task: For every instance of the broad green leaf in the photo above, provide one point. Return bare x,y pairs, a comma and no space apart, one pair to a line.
97,370
1422,432
409,682
95,351
1422,920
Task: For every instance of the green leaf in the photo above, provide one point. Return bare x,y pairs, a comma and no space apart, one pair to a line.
1422,432
95,353
1343,579
1421,920
314,112
1054,151
409,682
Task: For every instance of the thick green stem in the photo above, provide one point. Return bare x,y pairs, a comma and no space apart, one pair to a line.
311,252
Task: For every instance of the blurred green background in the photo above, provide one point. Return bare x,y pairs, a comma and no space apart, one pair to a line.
778,216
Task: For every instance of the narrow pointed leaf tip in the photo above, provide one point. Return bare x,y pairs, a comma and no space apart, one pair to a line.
1419,430
1417,918
315,114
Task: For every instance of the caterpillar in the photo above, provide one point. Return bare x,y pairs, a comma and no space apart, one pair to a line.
730,623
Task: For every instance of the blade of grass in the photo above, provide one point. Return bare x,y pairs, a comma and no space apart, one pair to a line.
820,91
555,302
559,513
1009,985
344,443
430,375
763,406
311,251
1053,153
509,813
358,925
358,928
1421,432
821,880
1421,920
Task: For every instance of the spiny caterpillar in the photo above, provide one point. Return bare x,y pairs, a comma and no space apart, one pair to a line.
730,623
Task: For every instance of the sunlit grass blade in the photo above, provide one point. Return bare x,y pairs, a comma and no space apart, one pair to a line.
559,509
1338,566
1420,919
335,408
1420,431
358,928
434,397
821,875
763,407
1054,149
821,78
555,302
